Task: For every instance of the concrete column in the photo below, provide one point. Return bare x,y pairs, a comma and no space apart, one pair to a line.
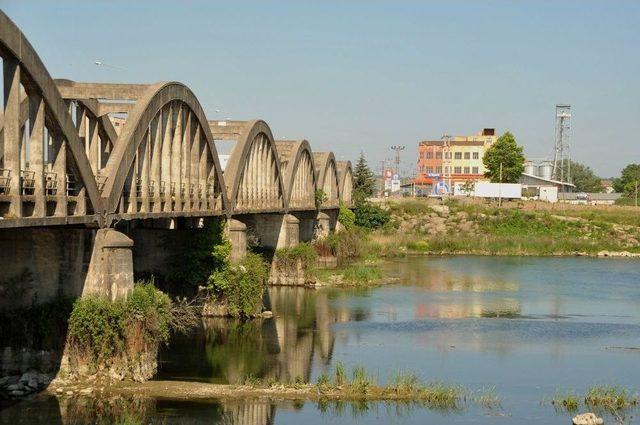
111,268
292,230
12,131
36,154
322,226
237,234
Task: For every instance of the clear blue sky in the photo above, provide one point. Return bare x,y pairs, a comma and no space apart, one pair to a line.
363,75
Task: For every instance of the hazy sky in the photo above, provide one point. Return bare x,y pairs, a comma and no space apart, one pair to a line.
364,75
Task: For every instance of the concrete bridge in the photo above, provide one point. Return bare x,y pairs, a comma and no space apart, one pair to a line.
84,165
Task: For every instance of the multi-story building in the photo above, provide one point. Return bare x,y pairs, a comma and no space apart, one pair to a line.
454,161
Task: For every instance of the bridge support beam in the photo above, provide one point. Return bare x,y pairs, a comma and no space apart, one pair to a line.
237,234
111,268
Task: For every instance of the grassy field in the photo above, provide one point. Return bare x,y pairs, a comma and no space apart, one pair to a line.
467,227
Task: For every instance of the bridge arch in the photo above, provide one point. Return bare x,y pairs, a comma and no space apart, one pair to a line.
45,176
296,161
165,162
327,178
252,174
345,177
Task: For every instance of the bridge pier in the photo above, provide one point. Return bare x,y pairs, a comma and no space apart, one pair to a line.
111,267
273,231
322,226
237,235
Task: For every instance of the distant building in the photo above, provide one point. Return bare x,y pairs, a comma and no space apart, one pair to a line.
454,163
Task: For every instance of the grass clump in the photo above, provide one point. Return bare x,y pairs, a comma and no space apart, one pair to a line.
488,398
611,398
442,396
569,402
361,381
404,382
361,273
340,377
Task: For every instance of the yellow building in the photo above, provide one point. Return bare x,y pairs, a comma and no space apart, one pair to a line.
457,160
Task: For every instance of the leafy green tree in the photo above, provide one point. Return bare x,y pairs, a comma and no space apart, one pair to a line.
630,174
504,151
582,176
364,182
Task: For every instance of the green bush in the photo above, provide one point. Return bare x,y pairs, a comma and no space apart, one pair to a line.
241,285
96,328
370,216
346,217
100,329
346,246
303,252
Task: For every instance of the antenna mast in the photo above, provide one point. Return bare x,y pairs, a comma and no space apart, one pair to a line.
561,151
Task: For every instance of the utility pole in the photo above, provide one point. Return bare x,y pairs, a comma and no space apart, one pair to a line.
500,188
636,193
397,149
446,153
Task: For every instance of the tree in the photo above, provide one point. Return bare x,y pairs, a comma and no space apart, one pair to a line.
364,182
630,174
582,176
504,151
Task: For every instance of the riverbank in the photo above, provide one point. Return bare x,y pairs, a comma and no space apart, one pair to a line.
515,229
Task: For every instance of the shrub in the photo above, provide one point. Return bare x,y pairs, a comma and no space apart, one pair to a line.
346,217
303,252
96,328
346,246
100,329
370,216
241,285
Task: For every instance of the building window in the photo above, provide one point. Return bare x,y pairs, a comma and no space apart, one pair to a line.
429,155
474,170
476,155
457,170
458,155
466,170
438,155
439,169
467,155
446,170
429,170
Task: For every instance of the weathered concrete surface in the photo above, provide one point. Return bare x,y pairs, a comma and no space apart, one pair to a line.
307,225
323,226
273,231
111,268
237,234
41,264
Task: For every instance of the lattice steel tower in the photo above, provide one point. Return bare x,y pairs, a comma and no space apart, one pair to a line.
561,160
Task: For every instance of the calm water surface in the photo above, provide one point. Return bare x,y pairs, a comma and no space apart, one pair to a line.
527,327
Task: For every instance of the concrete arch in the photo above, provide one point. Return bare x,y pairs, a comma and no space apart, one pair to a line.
327,178
296,161
252,175
23,67
167,138
345,177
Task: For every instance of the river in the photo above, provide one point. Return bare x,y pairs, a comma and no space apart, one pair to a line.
522,328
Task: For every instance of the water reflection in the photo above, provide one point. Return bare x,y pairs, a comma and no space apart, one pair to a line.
278,349
526,326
